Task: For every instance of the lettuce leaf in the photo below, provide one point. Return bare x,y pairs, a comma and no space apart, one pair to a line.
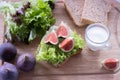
35,21
38,19
54,55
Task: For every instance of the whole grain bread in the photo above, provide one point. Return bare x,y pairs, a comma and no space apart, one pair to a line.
66,60
75,8
95,11
85,12
41,50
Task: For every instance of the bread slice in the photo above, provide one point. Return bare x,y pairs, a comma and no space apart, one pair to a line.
94,11
84,12
61,64
53,54
75,8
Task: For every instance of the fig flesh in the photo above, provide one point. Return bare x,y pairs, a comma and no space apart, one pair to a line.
8,51
52,38
111,63
26,62
67,44
62,31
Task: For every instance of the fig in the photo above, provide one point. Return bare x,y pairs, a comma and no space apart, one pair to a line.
51,4
8,71
26,62
51,38
8,51
67,44
110,63
62,31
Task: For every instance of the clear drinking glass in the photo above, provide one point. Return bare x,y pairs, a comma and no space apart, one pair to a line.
97,37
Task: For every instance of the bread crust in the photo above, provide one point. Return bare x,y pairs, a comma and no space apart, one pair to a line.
68,11
84,21
77,23
66,60
96,13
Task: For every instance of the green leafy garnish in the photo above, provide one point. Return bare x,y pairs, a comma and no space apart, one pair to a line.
27,21
54,55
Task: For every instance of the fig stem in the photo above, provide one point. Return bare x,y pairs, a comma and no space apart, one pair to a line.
25,58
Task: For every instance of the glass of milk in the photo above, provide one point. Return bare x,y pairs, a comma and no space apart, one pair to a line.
97,37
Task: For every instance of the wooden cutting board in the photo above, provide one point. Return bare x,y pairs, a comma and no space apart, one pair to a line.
87,62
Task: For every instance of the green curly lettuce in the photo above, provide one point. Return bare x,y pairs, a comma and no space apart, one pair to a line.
38,18
54,55
35,21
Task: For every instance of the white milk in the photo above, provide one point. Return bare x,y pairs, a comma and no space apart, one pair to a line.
96,37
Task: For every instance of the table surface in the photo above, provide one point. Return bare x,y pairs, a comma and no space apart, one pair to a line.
84,71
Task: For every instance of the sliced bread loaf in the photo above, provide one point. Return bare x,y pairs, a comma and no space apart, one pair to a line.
75,8
94,11
84,12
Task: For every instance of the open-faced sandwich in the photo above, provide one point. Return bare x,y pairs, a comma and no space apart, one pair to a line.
59,44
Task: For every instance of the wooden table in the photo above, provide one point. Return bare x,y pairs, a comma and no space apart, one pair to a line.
85,66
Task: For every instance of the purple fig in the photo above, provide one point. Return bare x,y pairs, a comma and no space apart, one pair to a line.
8,71
8,51
26,62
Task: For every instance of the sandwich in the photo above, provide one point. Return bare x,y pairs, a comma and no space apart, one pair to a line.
59,44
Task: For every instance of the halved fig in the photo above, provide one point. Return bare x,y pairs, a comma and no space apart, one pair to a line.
67,44
62,31
52,38
111,63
